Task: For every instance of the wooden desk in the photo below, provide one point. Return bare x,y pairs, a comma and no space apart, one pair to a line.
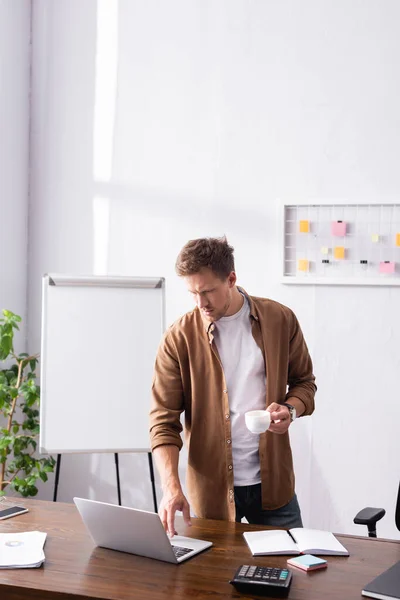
75,569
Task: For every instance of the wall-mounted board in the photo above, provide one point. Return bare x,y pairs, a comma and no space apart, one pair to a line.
341,243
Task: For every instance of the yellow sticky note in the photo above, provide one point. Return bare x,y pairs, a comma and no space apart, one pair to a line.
375,237
324,250
303,265
397,239
339,252
304,226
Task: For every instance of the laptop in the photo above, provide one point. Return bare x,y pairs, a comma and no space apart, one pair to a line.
135,531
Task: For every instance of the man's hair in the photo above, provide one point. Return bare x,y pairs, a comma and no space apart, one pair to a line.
212,253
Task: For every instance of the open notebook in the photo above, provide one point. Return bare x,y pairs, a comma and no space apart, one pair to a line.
295,541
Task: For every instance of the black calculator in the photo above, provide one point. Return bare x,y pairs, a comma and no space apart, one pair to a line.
266,581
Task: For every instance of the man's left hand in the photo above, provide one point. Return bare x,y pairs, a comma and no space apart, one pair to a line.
280,418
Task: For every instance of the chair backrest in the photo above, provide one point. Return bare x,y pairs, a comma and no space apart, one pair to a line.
397,515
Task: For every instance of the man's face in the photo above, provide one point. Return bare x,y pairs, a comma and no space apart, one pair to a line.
211,294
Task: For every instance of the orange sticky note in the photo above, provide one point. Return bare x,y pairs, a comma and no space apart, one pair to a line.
303,265
397,239
304,226
339,252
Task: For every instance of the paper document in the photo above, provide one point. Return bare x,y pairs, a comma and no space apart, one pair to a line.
22,550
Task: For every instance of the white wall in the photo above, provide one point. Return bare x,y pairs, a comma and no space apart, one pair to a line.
14,157
155,122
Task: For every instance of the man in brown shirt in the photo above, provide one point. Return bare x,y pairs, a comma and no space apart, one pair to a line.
231,354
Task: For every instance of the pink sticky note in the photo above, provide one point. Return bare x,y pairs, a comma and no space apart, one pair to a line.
386,267
338,228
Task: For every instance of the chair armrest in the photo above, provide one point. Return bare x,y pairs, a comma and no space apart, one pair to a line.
369,516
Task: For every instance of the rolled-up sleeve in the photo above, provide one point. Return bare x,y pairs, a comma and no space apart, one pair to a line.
300,371
167,396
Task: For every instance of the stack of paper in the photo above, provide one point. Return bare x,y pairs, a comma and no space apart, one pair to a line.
22,550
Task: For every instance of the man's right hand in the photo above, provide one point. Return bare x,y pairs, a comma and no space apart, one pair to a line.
173,500
167,457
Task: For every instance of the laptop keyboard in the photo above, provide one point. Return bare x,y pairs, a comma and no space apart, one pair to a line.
179,551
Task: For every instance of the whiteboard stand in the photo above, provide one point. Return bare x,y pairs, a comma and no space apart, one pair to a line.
99,342
153,483
116,459
152,480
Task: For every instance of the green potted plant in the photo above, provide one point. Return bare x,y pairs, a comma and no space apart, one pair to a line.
20,467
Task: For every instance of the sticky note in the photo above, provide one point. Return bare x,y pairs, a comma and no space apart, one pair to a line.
324,250
339,252
303,265
307,562
397,239
338,228
304,226
386,267
375,237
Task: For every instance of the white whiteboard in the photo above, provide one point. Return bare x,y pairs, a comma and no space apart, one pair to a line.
99,341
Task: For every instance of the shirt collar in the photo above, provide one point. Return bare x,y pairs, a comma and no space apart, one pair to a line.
209,326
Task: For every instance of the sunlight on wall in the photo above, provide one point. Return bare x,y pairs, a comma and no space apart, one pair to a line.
101,222
104,118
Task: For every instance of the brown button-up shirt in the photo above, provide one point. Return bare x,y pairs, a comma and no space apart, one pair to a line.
188,376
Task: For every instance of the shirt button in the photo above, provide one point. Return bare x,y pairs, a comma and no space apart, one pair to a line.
225,391
227,417
228,441
230,467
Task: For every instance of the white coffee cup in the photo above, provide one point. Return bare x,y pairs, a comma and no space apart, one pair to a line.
258,421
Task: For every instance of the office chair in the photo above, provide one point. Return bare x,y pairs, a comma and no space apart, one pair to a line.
369,516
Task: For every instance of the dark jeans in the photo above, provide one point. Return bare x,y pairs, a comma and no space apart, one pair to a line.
248,504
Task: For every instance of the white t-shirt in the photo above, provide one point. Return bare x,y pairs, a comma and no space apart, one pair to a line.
244,370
